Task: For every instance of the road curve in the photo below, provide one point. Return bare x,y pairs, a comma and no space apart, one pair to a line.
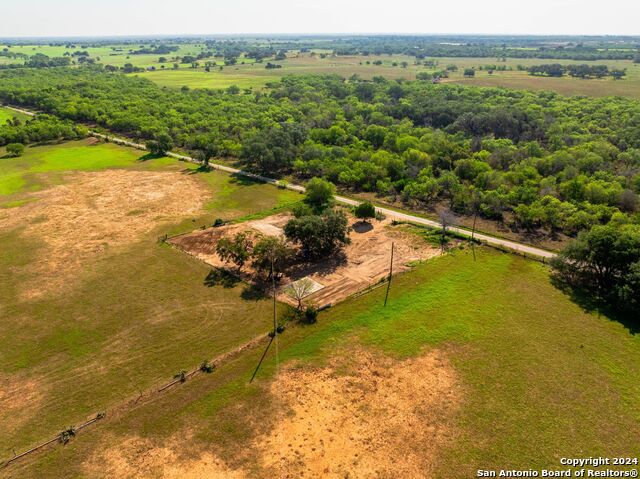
483,237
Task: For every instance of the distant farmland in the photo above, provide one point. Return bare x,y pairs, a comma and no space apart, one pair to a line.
256,75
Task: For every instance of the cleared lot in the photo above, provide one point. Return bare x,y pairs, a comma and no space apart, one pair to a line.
363,263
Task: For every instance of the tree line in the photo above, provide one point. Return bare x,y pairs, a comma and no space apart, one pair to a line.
576,71
536,161
16,133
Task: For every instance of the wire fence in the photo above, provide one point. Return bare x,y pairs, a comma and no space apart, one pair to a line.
66,435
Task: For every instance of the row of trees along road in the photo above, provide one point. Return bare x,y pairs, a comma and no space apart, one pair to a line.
538,162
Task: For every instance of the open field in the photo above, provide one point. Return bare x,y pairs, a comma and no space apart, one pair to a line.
475,364
93,309
256,76
247,74
117,54
478,361
363,263
198,78
7,114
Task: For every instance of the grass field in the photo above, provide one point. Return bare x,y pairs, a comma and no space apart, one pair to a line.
116,54
133,314
198,78
539,379
256,76
629,86
7,114
247,74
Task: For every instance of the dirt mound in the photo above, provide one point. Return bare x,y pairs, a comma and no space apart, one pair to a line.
139,458
380,419
95,211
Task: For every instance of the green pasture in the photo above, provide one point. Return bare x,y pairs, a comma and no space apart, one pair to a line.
247,74
137,316
255,75
198,78
8,114
536,370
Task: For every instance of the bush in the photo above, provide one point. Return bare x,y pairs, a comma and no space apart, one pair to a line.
15,149
310,315
319,193
364,211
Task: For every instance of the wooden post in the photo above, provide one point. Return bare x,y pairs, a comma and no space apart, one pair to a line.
386,296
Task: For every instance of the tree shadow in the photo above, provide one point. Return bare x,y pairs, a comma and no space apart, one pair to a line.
149,157
253,292
196,171
362,226
242,180
592,303
322,266
220,277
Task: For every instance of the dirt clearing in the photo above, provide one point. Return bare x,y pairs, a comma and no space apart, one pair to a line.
379,419
364,415
92,212
139,458
363,263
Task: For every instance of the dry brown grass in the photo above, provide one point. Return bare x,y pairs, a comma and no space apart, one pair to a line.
140,458
365,416
361,415
95,211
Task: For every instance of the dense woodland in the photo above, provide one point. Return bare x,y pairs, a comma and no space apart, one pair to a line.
536,160
39,129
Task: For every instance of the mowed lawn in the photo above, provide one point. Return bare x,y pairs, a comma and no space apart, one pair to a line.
541,378
132,318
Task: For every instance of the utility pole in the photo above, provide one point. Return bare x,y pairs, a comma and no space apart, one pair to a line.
273,287
473,233
386,296
275,326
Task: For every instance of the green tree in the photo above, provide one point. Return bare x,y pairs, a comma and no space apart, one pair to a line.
319,193
236,250
319,235
161,145
605,262
203,156
271,251
365,211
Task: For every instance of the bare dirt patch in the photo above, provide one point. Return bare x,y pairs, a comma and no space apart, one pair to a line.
364,263
379,418
363,415
95,211
20,400
140,458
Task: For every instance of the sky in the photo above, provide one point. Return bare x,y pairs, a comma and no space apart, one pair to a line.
152,17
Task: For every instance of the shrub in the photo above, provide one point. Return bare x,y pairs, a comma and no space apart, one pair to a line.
364,211
15,149
310,314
